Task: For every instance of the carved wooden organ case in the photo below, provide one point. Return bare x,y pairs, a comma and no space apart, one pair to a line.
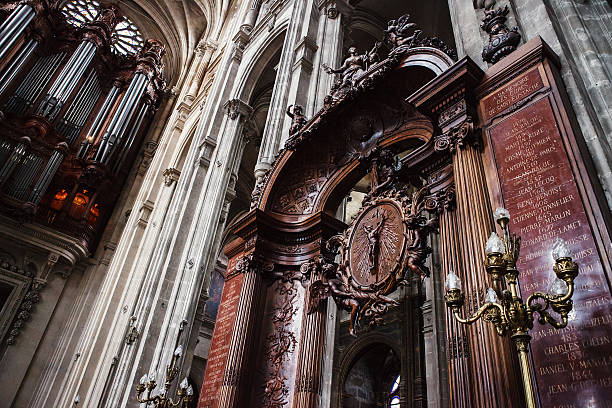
74,109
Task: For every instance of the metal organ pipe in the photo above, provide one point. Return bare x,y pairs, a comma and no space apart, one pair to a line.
67,80
24,176
80,108
125,111
33,84
10,164
45,178
12,28
98,121
15,66
125,151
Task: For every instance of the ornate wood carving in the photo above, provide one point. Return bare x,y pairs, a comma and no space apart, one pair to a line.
502,40
281,343
385,242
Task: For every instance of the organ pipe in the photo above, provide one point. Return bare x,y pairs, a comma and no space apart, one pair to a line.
24,176
45,178
98,121
122,116
131,137
12,28
10,164
67,80
33,84
15,66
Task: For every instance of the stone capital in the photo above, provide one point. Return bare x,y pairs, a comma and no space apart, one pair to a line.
171,175
236,108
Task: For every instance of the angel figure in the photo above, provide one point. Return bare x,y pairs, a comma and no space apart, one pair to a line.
353,66
398,32
298,120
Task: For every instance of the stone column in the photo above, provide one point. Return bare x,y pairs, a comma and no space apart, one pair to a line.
203,53
276,126
241,340
14,25
493,374
332,15
466,29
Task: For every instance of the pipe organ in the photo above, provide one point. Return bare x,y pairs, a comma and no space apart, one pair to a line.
74,107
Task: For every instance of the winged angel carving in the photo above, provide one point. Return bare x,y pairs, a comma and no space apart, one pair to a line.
384,247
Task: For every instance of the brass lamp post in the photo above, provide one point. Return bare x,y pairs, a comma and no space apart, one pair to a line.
504,308
160,399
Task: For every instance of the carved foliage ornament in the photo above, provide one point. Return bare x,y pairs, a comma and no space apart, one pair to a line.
384,247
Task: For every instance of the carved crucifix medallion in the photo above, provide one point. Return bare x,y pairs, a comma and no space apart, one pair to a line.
376,243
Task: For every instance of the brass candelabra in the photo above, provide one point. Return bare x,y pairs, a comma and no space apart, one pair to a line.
504,308
160,399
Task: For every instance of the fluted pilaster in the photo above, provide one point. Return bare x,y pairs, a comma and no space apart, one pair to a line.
242,334
493,375
308,375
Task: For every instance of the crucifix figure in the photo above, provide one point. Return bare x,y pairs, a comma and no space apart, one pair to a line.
373,234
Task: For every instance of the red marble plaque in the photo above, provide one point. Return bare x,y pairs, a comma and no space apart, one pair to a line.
219,348
573,365
515,91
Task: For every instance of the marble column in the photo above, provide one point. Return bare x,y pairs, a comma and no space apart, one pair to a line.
14,25
247,312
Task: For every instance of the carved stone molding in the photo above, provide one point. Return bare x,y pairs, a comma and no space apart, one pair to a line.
236,108
26,308
170,175
502,40
147,155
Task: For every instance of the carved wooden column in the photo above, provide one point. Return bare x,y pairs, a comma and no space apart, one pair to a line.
308,375
242,332
485,364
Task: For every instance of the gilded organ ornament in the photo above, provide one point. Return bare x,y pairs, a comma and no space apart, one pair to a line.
384,247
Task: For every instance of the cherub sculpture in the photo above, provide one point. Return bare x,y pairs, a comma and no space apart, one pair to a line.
298,120
398,34
346,298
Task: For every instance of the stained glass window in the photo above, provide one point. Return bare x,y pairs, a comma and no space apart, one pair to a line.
394,394
126,39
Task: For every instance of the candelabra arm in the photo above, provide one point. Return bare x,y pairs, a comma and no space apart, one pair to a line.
472,319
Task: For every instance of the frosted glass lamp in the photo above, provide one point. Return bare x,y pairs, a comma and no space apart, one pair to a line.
494,245
491,296
452,281
560,250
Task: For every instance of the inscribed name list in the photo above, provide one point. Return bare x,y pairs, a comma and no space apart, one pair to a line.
573,365
219,347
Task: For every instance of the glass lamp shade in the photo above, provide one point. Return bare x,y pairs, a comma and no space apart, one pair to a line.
501,213
452,281
491,296
558,287
494,245
560,249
